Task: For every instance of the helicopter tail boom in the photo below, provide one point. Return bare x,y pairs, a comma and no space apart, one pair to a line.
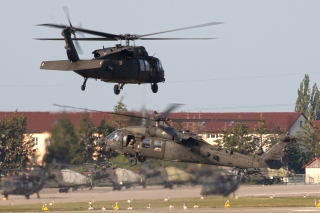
272,157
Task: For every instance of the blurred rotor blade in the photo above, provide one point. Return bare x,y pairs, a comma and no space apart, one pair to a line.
91,110
78,39
169,109
184,28
212,120
92,32
77,45
66,11
81,34
52,25
176,38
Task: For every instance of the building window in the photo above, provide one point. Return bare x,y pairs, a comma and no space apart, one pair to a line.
35,141
157,145
300,123
146,143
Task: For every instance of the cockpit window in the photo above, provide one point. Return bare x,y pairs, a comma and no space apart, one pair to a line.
114,135
158,65
147,65
141,65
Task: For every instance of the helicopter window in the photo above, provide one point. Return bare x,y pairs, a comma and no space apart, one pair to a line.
157,145
146,143
147,65
141,65
111,135
160,64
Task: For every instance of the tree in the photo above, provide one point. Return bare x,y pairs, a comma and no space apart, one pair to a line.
118,120
303,99
63,137
85,135
314,110
295,158
238,139
16,143
104,128
309,139
308,103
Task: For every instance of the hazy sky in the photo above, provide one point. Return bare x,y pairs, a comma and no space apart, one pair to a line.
257,62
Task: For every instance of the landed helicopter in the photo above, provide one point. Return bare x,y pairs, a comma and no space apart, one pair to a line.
120,64
23,182
161,141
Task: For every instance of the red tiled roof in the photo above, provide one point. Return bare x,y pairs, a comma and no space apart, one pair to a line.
310,162
43,121
317,123
284,119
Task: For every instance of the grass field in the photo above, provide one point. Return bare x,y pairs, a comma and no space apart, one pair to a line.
210,202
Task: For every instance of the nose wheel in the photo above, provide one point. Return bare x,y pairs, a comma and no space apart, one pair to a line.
83,86
154,87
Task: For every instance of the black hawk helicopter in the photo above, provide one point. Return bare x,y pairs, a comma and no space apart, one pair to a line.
160,141
120,64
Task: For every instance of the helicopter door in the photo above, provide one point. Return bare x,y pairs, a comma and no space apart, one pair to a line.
132,69
144,71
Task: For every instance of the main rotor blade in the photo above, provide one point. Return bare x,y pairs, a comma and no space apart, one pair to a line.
92,32
66,11
184,28
176,38
78,39
169,109
92,110
211,120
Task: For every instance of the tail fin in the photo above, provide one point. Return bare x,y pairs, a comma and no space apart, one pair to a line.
71,50
272,157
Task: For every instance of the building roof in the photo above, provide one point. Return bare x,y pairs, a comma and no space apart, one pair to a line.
317,123
284,119
43,121
310,162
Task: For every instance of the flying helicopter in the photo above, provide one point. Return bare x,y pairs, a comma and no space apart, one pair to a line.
121,64
161,141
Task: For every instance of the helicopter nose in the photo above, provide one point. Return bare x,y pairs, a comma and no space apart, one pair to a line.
102,141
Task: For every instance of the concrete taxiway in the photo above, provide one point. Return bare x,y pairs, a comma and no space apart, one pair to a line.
157,192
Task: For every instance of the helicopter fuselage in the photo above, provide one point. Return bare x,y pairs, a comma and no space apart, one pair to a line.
166,143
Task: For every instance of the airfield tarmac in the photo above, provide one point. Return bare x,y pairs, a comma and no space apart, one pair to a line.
157,192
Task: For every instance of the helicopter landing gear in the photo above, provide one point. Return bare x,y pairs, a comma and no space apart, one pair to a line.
83,86
132,161
117,88
5,197
142,159
27,196
154,87
38,196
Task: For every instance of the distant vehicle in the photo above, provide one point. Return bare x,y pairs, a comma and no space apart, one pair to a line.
266,175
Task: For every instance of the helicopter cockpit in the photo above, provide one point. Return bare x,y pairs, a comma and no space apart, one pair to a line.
158,65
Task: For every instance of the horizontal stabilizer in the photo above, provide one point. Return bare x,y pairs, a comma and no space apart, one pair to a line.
65,65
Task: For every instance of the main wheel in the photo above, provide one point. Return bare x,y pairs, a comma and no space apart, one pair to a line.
142,159
154,87
116,89
83,87
133,161
27,196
